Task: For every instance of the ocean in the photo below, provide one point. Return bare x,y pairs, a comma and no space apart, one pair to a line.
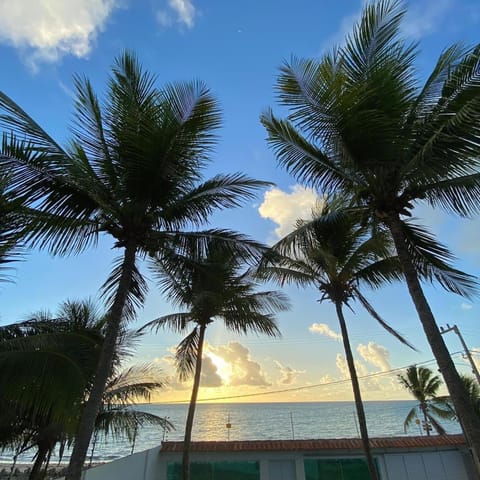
261,421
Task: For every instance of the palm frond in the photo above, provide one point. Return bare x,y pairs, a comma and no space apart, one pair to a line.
186,354
433,261
307,163
177,322
373,313
137,291
221,191
412,414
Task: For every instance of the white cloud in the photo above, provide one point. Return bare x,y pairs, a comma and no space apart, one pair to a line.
342,366
179,11
424,18
375,354
209,376
289,374
243,369
466,306
286,208
324,329
47,30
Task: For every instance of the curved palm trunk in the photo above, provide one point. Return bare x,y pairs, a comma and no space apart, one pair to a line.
468,419
94,402
362,422
191,409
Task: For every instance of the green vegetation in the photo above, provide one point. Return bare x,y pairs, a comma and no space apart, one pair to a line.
424,385
47,366
336,254
213,285
132,172
360,124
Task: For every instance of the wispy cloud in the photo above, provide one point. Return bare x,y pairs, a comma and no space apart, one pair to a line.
324,329
466,306
47,30
426,17
285,208
182,12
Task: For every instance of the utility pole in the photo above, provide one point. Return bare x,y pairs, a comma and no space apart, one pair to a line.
464,345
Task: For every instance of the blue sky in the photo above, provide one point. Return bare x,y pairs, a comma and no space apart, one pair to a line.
236,49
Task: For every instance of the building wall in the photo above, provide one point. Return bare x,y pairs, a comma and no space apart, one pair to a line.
442,464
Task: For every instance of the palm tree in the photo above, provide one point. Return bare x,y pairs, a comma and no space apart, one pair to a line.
361,124
212,284
338,255
424,386
45,352
133,172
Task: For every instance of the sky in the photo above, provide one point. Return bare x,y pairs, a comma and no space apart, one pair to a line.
236,48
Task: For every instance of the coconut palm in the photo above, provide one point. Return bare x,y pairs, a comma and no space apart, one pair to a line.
424,385
47,352
337,255
211,284
132,172
361,123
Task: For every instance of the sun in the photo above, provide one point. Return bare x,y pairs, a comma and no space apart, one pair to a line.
224,369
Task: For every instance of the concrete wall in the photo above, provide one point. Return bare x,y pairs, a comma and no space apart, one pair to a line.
442,464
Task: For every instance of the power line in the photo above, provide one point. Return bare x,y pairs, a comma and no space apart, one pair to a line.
306,387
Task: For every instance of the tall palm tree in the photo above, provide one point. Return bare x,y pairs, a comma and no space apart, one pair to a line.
361,123
211,284
338,256
424,385
47,352
132,172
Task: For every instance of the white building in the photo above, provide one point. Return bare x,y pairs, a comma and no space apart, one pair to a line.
398,458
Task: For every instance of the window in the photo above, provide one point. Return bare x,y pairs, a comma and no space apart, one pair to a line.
336,469
216,471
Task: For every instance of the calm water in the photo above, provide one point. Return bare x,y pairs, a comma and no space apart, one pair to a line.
263,421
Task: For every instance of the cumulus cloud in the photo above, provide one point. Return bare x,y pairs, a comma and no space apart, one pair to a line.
289,374
285,208
342,366
324,329
375,354
182,12
243,369
47,30
210,376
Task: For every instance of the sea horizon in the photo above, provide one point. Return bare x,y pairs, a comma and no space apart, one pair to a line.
260,421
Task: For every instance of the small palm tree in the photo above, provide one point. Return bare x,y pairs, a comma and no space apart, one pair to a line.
212,284
361,123
424,385
338,255
59,354
132,172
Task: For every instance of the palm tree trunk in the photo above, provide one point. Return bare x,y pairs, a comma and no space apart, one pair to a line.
362,421
468,419
35,473
191,409
425,418
104,367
